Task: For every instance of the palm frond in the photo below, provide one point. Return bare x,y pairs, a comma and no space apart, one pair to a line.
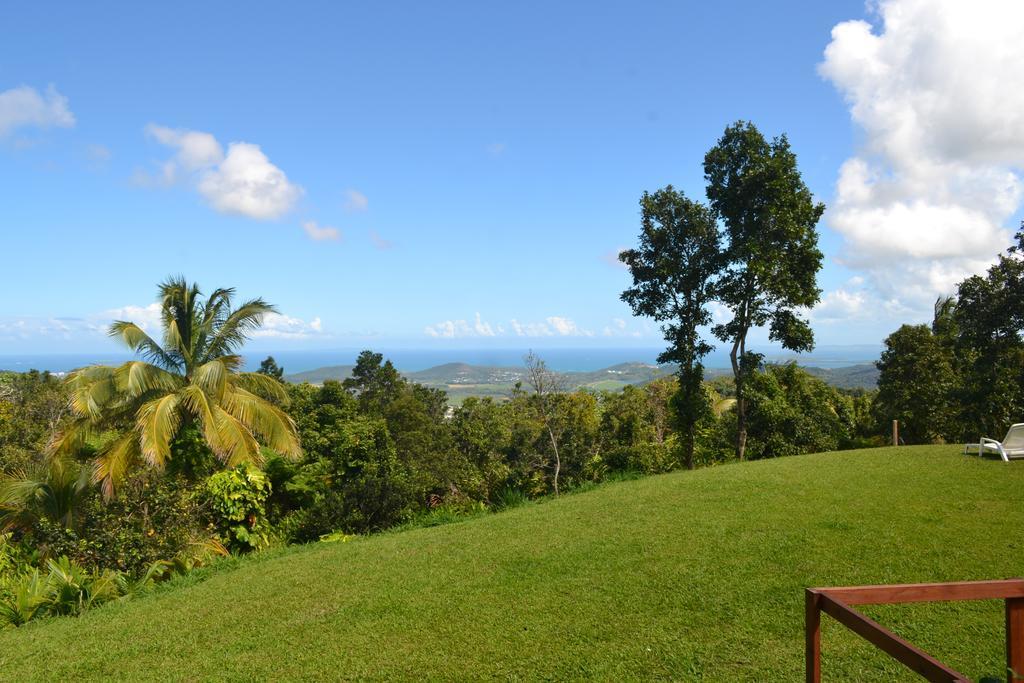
91,388
135,338
236,328
113,461
157,423
136,378
237,444
214,375
263,386
72,437
274,427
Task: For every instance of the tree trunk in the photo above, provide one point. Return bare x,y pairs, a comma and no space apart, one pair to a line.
558,460
689,445
741,401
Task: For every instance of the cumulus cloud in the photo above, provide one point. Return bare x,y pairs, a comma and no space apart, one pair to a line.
553,326
452,329
926,200
26,107
240,181
530,329
280,326
319,233
356,201
146,317
565,327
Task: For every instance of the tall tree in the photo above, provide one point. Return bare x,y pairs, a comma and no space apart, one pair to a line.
374,381
546,385
674,272
270,368
988,321
192,379
915,382
772,255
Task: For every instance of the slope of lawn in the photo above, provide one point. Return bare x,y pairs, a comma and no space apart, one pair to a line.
684,576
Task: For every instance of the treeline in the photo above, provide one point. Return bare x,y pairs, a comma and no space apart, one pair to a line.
377,451
962,376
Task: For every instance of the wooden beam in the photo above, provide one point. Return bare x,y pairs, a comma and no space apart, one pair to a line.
913,658
928,592
1014,640
812,636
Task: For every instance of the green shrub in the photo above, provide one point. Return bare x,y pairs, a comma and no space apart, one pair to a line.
236,504
151,518
67,588
509,498
356,485
649,458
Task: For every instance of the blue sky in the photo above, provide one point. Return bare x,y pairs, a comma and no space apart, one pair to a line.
462,174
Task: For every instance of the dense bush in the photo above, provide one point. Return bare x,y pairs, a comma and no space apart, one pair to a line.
235,502
151,518
792,412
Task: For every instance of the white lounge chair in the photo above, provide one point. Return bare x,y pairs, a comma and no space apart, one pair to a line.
1012,445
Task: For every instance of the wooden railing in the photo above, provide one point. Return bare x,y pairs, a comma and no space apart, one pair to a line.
836,602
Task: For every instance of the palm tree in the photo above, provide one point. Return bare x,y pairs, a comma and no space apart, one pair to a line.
192,379
55,491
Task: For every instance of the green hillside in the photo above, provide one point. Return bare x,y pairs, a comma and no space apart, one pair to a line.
684,576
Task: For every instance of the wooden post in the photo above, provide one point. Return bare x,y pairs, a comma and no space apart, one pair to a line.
812,636
895,432
1014,639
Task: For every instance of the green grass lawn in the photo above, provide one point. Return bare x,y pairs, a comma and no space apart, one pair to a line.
684,576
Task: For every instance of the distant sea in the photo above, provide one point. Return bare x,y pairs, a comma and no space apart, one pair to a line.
411,360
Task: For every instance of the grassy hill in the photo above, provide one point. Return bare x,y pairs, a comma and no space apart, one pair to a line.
682,576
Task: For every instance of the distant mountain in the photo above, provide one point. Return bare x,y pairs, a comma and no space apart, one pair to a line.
462,379
863,376
319,375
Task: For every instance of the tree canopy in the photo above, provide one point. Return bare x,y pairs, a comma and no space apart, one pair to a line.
771,255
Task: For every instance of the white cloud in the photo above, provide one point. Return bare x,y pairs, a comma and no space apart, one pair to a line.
841,305
242,181
146,317
28,328
452,329
482,328
496,149
280,326
552,326
565,327
319,233
246,183
926,200
356,200
24,107
530,329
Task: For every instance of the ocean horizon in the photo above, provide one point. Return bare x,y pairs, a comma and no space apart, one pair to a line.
412,360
